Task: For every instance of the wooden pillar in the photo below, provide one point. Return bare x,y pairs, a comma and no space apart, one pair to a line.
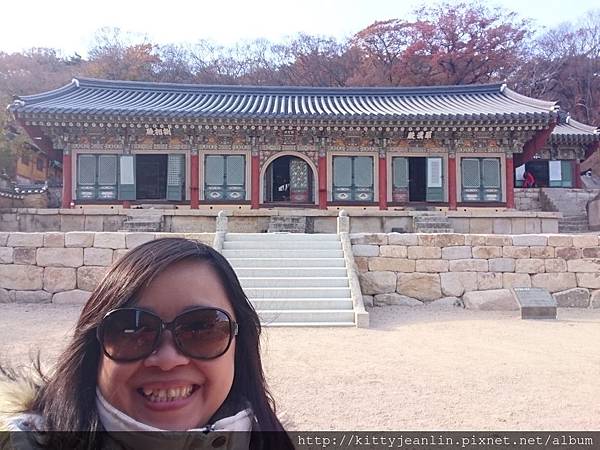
67,196
255,180
510,182
452,182
322,180
577,184
382,181
194,169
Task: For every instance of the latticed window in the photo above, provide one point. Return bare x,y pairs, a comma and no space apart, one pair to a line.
481,180
225,177
353,178
97,177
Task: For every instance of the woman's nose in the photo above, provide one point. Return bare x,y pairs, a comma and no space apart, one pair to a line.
167,355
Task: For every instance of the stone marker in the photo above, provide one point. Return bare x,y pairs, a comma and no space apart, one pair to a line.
535,303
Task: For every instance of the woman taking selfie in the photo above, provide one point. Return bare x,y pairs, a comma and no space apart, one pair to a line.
167,341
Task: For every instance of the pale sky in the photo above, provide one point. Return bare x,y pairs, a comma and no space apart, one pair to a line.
69,25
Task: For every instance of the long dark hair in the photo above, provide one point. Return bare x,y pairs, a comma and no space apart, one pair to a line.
67,402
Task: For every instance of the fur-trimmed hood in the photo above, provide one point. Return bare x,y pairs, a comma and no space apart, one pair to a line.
17,393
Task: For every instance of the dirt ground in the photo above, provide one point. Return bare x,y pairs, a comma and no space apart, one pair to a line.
420,368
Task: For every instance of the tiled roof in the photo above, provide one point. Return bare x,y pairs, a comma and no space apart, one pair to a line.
569,131
91,97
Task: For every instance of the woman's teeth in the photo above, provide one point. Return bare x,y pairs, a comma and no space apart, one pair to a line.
167,395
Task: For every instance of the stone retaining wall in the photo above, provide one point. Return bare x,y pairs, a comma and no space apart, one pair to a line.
410,269
64,267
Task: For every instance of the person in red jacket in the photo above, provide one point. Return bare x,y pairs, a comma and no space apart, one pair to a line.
528,179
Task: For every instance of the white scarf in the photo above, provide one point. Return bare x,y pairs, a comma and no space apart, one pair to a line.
114,420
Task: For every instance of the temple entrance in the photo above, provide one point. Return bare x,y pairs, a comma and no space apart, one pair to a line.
417,179
151,177
288,179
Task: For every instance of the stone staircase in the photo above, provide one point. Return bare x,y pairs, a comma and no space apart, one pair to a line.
431,223
293,279
572,203
143,222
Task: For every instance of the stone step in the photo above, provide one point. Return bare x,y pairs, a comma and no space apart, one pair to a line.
283,245
268,253
237,262
298,292
288,237
309,324
274,272
436,230
312,282
262,304
310,316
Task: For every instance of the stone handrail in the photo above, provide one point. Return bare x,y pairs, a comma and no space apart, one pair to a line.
221,231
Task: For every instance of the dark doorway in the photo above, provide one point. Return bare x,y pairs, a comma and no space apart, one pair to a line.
151,177
417,179
540,171
281,179
288,179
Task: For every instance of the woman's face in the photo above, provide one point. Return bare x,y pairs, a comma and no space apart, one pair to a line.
181,286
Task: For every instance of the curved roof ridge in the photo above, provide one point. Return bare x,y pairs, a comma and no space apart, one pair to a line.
582,126
530,101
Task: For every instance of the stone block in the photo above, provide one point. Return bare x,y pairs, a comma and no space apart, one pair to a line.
25,240
97,256
76,296
585,240
588,280
422,286
541,252
554,282
591,252
476,240
365,250
455,284
89,277
516,252
60,257
523,240
468,265
396,299
427,240
202,238
584,265
54,239
502,226
560,240
391,264
362,263
4,296
533,225
513,280
72,223
424,252
459,252
489,280
518,225
573,298
369,238
449,302
3,238
487,252
530,266
481,225
57,279
368,300
113,223
491,300
393,251
94,223
6,255
431,265
449,239
555,265
501,265
25,255
498,241
402,239
110,240
32,296
119,253
25,278
79,239
549,225
373,283
595,299
133,240
568,253
459,224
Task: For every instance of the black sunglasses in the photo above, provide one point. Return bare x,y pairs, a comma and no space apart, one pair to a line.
130,334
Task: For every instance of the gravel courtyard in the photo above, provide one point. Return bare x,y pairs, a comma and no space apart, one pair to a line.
423,368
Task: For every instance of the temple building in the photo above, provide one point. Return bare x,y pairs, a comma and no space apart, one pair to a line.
127,143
